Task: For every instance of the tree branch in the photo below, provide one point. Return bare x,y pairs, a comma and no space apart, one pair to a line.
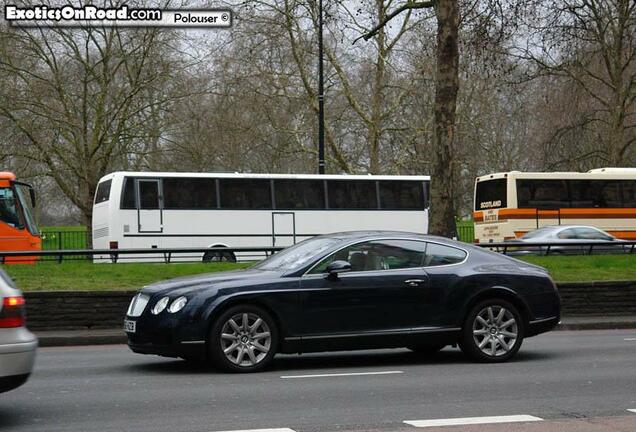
409,5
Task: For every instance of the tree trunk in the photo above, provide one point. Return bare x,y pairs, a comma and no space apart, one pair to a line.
442,212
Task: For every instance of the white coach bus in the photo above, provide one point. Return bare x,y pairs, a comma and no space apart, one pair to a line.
508,205
200,210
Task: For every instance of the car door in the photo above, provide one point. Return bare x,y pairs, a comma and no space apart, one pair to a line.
374,300
436,307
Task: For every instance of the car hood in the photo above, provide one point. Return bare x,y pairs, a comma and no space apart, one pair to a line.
205,281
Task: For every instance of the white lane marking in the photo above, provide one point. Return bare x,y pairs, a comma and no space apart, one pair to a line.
262,430
472,421
341,374
630,339
632,410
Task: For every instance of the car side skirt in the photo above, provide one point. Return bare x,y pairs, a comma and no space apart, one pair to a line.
370,340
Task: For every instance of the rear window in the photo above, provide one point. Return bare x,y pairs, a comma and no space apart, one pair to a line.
103,191
491,194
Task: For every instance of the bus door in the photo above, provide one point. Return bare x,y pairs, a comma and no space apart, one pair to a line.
149,205
548,217
283,229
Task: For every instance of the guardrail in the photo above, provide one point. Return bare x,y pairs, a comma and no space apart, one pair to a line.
168,255
564,247
165,255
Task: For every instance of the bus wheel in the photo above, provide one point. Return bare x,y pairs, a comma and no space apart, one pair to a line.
218,256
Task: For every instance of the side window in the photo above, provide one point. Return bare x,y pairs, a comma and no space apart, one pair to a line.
378,255
567,234
542,194
590,234
245,194
352,194
185,193
437,255
299,194
629,193
128,199
401,195
103,191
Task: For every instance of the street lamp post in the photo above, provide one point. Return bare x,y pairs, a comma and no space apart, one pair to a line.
321,97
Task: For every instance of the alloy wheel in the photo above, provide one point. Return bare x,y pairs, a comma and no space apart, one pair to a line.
495,331
246,339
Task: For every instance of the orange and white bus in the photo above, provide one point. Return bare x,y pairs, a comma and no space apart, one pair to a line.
508,205
18,231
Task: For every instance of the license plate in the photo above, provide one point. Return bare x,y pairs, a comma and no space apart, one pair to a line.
130,326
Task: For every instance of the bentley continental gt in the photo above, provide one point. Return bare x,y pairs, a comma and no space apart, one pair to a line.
348,291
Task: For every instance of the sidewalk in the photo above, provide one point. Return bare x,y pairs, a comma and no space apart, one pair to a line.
117,336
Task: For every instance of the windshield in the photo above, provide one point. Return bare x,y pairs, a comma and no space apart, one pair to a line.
9,208
27,208
298,255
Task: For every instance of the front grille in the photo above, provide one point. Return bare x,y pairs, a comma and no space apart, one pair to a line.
137,305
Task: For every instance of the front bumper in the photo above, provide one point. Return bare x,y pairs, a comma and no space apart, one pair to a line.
166,337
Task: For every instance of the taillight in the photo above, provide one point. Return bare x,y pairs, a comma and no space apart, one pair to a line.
12,312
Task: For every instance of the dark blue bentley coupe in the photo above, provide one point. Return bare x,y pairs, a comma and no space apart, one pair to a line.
345,291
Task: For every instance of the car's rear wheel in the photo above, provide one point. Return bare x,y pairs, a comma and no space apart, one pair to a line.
243,339
493,332
218,256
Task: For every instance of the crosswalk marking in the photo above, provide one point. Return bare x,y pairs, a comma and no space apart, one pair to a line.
472,421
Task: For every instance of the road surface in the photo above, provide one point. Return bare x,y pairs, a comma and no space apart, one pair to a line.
561,381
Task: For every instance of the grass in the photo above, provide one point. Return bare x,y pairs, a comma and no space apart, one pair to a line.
84,275
80,276
588,267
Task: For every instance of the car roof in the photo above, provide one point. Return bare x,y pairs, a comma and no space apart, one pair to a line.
371,234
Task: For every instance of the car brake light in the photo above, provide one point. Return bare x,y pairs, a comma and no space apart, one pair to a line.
12,312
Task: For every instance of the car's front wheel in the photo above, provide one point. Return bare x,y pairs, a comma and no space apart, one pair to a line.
493,332
243,339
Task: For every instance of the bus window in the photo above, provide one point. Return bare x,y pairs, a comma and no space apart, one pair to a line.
595,193
347,194
299,194
103,192
9,212
491,194
148,194
245,194
629,193
128,198
542,194
189,193
401,195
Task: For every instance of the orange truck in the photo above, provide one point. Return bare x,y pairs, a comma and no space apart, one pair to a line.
18,230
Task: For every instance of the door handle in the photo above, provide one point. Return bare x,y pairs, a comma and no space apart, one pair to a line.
414,282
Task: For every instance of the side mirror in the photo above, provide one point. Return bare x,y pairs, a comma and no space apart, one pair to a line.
336,268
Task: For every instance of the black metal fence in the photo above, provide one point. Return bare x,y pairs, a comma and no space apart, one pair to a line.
64,239
562,248
140,255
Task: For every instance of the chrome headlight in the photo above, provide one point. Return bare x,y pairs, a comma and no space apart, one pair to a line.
178,304
160,306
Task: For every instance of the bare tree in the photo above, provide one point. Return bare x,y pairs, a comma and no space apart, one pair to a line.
80,98
590,45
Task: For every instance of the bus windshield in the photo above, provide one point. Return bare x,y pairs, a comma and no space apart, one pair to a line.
25,206
298,255
491,194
